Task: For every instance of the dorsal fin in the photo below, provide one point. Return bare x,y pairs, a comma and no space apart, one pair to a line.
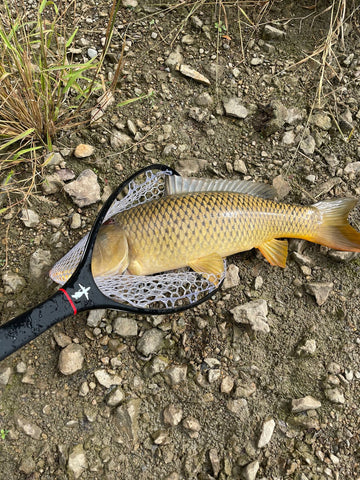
175,184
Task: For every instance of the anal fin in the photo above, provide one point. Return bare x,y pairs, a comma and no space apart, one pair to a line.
275,251
210,264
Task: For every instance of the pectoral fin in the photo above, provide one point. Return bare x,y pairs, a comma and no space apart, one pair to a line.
275,251
211,264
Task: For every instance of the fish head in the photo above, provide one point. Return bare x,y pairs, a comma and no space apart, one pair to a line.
111,253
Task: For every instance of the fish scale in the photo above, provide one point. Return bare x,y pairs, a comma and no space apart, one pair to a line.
175,230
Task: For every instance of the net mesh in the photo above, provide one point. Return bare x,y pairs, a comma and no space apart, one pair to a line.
168,289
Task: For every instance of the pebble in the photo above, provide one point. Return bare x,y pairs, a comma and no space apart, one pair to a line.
28,427
71,359
127,418
307,145
29,218
352,167
130,3
232,278
204,100
84,389
250,471
281,186
256,61
334,395
75,221
161,437
52,184
40,261
320,120
240,166
125,327
308,348
175,58
245,390
190,166
107,380
320,291
288,137
305,403
176,374
273,33
92,52
119,139
187,71
266,433
61,339
172,415
115,397
238,406
53,158
5,373
13,282
190,423
95,316
85,190
150,342
234,108
253,313
187,40
83,150
77,462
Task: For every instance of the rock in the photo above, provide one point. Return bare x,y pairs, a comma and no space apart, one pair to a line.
281,186
27,466
320,120
346,121
5,373
190,166
13,282
187,71
198,115
254,314
271,118
273,33
125,327
119,139
320,291
255,61
28,428
190,423
339,256
71,359
196,21
288,137
52,184
61,339
258,282
53,158
175,58
107,380
29,217
130,3
85,190
92,53
333,368
95,316
84,389
150,342
307,145
204,100
250,471
215,461
161,437
156,365
115,397
239,166
232,277
352,167
266,433
234,108
303,404
187,40
176,374
294,115
331,160
172,415
307,349
334,395
77,463
127,419
40,260
245,390
83,150
238,406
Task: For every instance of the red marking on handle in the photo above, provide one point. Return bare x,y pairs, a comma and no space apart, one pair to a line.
70,301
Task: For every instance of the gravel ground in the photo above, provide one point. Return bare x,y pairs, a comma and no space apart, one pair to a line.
263,380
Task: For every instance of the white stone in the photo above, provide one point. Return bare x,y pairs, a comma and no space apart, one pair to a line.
266,433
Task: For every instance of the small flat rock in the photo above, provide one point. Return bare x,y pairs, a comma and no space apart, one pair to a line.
255,61
71,359
190,166
85,190
77,463
95,316
320,120
83,150
281,186
204,100
5,373
187,40
13,282
150,342
61,339
232,278
335,395
28,427
307,145
273,33
266,433
52,184
190,423
130,3
234,108
187,71
238,406
125,327
106,379
175,58
54,158
119,139
320,291
127,418
253,313
240,166
115,397
176,374
308,348
161,437
29,218
250,471
172,415
227,384
305,403
352,167
294,115
339,256
245,390
215,461
288,137
40,261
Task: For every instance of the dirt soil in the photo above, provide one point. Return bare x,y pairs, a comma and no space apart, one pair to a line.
215,397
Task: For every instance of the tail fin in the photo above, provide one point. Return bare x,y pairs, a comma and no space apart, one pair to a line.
335,231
